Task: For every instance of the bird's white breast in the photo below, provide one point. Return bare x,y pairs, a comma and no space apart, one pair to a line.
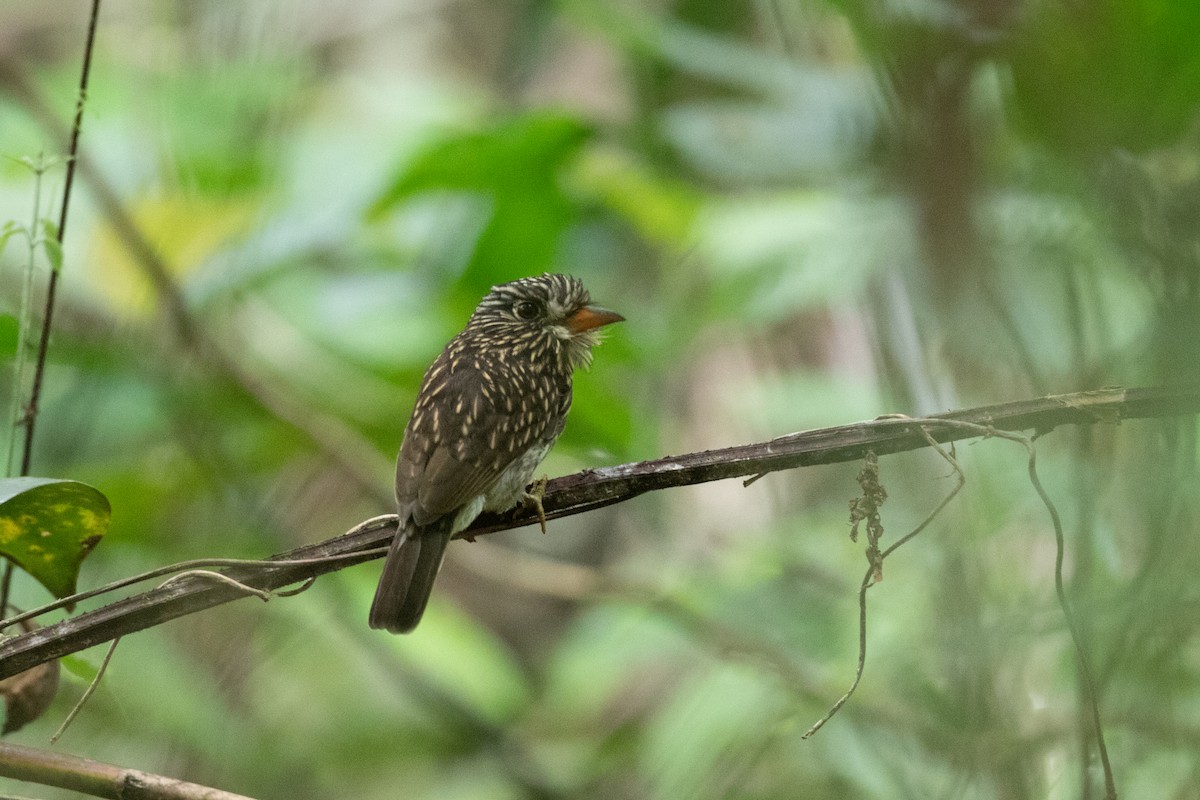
506,492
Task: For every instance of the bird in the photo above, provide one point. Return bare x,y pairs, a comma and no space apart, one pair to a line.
489,408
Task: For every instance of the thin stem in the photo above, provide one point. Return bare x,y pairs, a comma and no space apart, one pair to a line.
39,368
87,693
5,587
16,415
25,315
1077,638
869,578
190,567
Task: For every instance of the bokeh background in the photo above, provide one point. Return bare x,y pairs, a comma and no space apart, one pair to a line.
811,212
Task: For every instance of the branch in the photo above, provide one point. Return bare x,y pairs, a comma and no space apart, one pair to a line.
97,778
592,489
39,370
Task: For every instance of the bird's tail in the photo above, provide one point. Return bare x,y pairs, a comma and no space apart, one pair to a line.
408,572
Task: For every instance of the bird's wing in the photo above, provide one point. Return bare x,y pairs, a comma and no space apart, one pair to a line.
464,432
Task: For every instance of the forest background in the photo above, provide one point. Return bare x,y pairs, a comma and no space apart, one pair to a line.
811,212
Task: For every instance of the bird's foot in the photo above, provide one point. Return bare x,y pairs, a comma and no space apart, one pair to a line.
533,498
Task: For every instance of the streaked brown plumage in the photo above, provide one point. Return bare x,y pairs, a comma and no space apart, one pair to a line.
488,410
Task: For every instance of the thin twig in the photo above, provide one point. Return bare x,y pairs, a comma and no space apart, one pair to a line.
202,573
869,578
1085,670
193,566
97,779
217,577
1089,685
1077,640
5,587
39,368
87,693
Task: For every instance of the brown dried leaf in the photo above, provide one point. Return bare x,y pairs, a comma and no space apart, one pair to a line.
28,694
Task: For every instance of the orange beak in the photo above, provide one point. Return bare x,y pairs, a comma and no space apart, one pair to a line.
589,317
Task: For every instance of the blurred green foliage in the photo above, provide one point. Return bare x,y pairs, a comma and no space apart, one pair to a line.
1113,74
810,213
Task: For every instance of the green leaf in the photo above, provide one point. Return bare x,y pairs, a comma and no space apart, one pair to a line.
514,171
8,336
80,667
1110,74
51,244
49,525
659,208
54,253
9,230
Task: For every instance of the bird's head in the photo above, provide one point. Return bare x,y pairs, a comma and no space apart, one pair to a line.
545,315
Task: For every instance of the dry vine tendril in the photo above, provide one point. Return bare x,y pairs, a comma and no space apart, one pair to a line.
869,479
865,508
923,426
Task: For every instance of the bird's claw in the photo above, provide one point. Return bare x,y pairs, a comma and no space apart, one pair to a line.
533,498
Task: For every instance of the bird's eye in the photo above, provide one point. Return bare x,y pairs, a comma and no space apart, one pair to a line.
525,309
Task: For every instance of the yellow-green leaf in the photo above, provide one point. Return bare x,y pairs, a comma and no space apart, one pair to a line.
51,245
49,525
